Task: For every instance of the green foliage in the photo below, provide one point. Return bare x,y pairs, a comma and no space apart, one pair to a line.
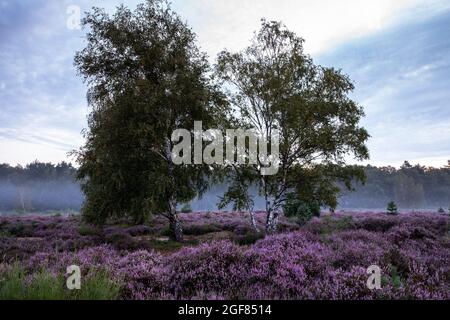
165,232
392,208
330,225
88,230
98,287
121,240
146,78
396,278
410,187
20,230
301,210
15,284
277,86
240,180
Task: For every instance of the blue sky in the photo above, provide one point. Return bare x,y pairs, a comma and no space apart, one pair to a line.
396,51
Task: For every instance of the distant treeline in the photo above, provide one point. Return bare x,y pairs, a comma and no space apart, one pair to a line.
39,187
411,187
45,186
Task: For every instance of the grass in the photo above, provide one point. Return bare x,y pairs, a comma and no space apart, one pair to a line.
17,285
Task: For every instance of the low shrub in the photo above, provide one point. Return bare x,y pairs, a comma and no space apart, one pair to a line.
325,259
392,208
211,268
248,239
302,211
20,230
138,230
200,229
329,224
88,230
121,240
16,284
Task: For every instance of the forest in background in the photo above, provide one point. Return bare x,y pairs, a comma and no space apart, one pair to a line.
39,187
411,187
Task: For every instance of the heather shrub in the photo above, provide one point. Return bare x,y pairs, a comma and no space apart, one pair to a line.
12,250
300,220
88,230
376,224
325,259
399,234
344,223
396,278
425,283
248,238
142,275
200,229
338,284
168,246
90,260
138,230
282,266
329,224
356,248
121,240
20,230
211,268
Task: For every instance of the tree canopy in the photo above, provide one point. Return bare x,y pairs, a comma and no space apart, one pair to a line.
146,78
277,89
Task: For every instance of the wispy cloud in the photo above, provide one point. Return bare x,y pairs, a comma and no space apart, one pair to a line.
401,78
396,51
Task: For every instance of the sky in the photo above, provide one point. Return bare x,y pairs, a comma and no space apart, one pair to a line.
397,52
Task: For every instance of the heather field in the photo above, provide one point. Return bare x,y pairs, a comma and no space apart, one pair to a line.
222,258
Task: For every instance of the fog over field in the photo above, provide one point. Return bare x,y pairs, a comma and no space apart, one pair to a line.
41,196
43,187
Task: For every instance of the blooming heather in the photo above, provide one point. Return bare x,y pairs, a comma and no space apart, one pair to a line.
325,259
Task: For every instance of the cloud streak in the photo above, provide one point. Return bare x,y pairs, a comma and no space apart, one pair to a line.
396,51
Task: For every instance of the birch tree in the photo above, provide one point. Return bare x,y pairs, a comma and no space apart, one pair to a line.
274,85
146,78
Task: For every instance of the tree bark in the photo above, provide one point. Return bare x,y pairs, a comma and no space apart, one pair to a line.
174,222
272,218
176,228
254,225
272,222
